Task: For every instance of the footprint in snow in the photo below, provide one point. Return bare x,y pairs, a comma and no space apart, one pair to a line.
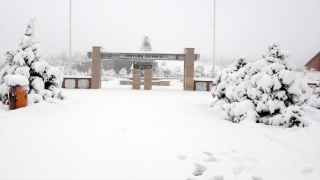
182,157
199,169
217,177
234,150
237,170
191,178
122,129
255,177
210,159
307,170
207,153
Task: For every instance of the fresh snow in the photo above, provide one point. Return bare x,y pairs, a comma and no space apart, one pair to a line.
164,133
16,80
23,71
203,79
286,76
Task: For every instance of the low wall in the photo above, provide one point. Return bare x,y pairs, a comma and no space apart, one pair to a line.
203,84
154,83
76,82
313,85
84,82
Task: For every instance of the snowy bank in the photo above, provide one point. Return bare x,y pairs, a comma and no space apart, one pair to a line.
166,133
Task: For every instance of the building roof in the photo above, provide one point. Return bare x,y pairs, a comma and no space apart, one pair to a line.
313,58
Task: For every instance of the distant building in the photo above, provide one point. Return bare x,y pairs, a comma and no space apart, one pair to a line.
115,64
314,63
118,64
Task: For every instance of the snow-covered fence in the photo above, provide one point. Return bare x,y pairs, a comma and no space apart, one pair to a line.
154,83
313,85
77,82
203,84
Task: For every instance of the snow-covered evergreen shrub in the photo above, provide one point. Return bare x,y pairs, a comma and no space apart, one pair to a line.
291,116
199,71
269,84
26,60
123,72
177,72
161,74
108,74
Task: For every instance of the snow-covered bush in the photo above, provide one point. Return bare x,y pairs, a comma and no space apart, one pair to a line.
108,74
199,71
291,116
177,72
123,72
270,85
314,100
161,74
27,60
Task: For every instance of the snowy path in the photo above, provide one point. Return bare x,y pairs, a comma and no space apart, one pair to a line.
166,133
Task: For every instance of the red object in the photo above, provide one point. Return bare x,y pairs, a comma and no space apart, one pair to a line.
21,97
314,63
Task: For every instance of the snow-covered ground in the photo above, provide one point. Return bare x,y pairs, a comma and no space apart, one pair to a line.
166,133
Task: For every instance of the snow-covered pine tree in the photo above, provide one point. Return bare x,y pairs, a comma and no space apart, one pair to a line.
176,72
108,74
213,70
199,71
228,78
44,80
268,89
123,72
161,74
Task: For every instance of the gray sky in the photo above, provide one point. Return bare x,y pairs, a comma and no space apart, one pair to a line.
243,27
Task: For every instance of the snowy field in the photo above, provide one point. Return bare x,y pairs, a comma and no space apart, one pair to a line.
166,133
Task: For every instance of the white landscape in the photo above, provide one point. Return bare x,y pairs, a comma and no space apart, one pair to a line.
165,133
260,121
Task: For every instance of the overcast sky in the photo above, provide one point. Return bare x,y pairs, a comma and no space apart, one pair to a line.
243,27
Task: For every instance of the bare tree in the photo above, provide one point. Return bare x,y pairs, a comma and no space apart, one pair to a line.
146,45
62,60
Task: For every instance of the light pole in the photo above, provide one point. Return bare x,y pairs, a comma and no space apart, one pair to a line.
70,42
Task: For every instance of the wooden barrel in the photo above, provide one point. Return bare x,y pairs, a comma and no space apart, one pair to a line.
21,97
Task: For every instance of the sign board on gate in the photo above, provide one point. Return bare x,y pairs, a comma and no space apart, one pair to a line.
144,56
